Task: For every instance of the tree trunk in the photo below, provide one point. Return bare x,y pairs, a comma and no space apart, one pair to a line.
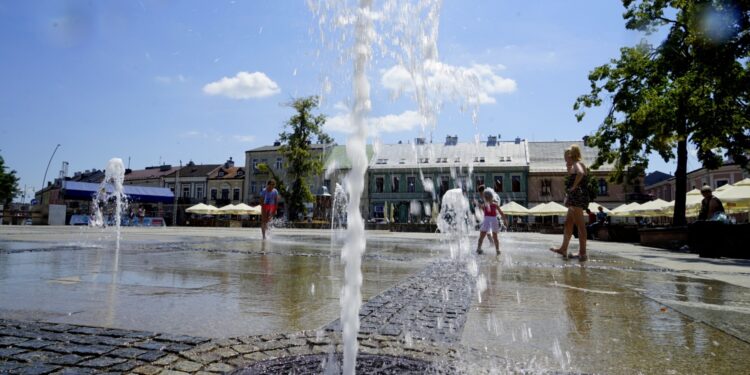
680,177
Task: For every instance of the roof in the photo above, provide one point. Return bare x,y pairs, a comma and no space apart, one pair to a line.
655,177
86,190
147,173
195,170
229,173
548,156
408,156
338,158
316,146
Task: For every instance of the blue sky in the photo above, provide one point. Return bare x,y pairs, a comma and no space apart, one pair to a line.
163,81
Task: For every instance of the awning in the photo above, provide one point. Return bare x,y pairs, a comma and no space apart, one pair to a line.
146,194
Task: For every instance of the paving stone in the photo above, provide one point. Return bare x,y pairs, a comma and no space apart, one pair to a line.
76,371
127,366
91,349
177,347
126,352
226,342
10,340
34,344
147,370
87,330
206,373
103,362
58,327
245,348
187,366
10,352
171,372
115,341
141,334
256,356
35,369
226,352
192,340
66,359
276,353
7,366
298,350
151,355
151,345
165,360
219,367
206,357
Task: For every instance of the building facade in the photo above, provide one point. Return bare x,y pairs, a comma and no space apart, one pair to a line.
547,173
255,179
715,178
405,179
190,186
150,176
226,185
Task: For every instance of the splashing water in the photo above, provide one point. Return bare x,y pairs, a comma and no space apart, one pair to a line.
111,187
339,204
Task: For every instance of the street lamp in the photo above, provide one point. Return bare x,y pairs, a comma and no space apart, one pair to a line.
44,180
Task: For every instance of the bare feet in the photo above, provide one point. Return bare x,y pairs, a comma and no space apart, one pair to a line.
562,252
583,258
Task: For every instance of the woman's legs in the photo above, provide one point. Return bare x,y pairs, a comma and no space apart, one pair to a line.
497,243
263,222
481,239
578,217
567,233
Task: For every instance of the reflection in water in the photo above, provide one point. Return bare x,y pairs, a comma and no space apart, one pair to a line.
576,303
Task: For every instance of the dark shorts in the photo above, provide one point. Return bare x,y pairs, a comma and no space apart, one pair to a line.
577,198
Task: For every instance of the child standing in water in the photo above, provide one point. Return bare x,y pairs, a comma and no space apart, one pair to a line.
490,223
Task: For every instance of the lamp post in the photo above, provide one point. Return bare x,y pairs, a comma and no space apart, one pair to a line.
176,190
44,180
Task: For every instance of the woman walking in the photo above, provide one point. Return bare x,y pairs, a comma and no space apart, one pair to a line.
576,199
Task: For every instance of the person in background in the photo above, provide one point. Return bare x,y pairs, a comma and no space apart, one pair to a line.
270,198
490,222
710,206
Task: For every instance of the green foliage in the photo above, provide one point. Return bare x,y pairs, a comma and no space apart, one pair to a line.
300,164
280,186
8,184
691,88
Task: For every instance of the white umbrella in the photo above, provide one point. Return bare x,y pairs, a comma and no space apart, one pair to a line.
202,209
243,209
594,207
736,198
513,208
745,182
624,210
657,207
548,209
226,210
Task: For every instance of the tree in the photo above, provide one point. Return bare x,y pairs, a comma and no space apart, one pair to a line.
8,184
692,87
300,164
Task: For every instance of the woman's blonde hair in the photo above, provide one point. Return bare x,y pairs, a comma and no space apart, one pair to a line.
575,152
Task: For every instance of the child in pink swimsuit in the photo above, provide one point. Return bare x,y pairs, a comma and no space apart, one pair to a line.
490,223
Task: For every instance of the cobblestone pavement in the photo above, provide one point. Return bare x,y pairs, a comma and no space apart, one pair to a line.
416,321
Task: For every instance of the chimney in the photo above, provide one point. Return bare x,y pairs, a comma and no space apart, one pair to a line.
418,141
276,143
492,141
518,140
451,141
229,163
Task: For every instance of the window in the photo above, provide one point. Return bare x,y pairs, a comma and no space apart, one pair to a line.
279,164
236,194
479,159
186,191
498,184
515,182
225,192
402,161
253,187
411,184
327,184
379,182
424,160
395,184
603,188
502,158
720,183
240,172
546,188
381,161
377,211
171,187
478,181
444,184
428,185
221,173
255,166
213,194
199,192
637,186
457,160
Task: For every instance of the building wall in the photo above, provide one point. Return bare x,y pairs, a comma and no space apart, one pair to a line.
550,186
218,184
726,174
255,180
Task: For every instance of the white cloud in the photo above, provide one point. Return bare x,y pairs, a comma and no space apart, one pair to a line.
194,134
406,121
243,86
475,84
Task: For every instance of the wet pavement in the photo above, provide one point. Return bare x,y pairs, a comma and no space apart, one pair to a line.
215,300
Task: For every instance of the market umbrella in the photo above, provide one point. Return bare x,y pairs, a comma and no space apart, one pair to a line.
243,209
736,198
226,210
548,209
594,207
624,210
202,209
513,208
657,207
745,182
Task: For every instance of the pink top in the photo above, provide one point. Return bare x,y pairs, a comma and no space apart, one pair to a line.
490,209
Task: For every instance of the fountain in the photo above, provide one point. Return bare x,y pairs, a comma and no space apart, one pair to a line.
339,203
114,175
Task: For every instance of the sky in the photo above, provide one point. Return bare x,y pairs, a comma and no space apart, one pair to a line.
163,82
